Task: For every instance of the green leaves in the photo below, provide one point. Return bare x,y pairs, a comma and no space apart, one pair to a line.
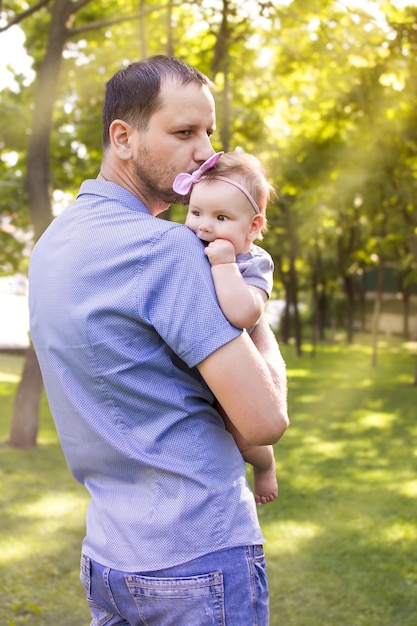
323,93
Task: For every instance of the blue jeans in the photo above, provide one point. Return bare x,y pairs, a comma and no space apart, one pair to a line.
225,588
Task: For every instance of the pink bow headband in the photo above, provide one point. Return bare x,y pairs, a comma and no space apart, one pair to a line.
183,182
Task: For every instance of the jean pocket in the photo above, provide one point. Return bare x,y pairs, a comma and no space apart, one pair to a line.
260,589
85,573
258,554
196,600
100,616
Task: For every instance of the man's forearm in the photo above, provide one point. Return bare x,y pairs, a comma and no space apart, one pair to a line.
265,341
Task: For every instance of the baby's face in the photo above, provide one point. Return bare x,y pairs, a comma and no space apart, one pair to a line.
217,210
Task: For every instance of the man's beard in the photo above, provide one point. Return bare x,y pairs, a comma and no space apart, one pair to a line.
149,177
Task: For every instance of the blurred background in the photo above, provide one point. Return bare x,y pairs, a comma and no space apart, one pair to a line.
323,92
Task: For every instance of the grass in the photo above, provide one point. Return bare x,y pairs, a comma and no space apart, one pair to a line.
41,524
342,534
341,538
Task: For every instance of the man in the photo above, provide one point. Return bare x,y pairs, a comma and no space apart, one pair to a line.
133,349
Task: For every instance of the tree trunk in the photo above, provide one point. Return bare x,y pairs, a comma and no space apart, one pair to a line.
292,284
321,312
285,325
315,279
362,303
314,319
24,428
291,311
294,302
406,313
319,298
25,418
350,306
411,222
377,314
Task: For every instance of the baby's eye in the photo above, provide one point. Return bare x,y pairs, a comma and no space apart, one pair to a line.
194,212
222,218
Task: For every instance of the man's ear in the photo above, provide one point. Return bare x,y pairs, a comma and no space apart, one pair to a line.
120,133
257,224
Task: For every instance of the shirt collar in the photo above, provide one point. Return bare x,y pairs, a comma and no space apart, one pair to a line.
112,191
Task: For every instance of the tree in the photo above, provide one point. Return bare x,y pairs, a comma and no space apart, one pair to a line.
38,180
323,93
56,20
26,407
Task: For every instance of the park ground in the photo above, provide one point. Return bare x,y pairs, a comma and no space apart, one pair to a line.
341,538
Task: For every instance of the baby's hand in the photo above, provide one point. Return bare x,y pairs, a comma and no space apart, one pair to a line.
220,251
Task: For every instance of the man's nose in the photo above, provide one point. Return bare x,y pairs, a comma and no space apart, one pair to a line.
204,149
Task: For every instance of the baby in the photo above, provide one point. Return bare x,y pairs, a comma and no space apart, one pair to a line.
227,211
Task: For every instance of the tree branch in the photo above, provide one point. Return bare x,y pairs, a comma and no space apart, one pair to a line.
116,20
76,6
21,16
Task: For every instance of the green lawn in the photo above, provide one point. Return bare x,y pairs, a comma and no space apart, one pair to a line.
341,538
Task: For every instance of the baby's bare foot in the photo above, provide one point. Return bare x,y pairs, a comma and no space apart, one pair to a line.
265,485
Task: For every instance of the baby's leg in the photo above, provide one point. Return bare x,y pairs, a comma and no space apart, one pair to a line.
263,461
265,484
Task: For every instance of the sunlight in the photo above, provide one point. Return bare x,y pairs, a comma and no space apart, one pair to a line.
16,548
289,536
10,158
53,506
398,531
60,201
330,449
14,322
392,80
7,377
13,55
377,420
407,488
48,516
298,373
309,398
402,4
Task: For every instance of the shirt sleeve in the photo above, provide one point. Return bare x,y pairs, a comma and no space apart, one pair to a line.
257,269
176,296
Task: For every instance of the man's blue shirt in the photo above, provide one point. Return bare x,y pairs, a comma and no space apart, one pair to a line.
123,308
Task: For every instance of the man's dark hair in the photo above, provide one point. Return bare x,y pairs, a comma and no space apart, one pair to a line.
132,94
